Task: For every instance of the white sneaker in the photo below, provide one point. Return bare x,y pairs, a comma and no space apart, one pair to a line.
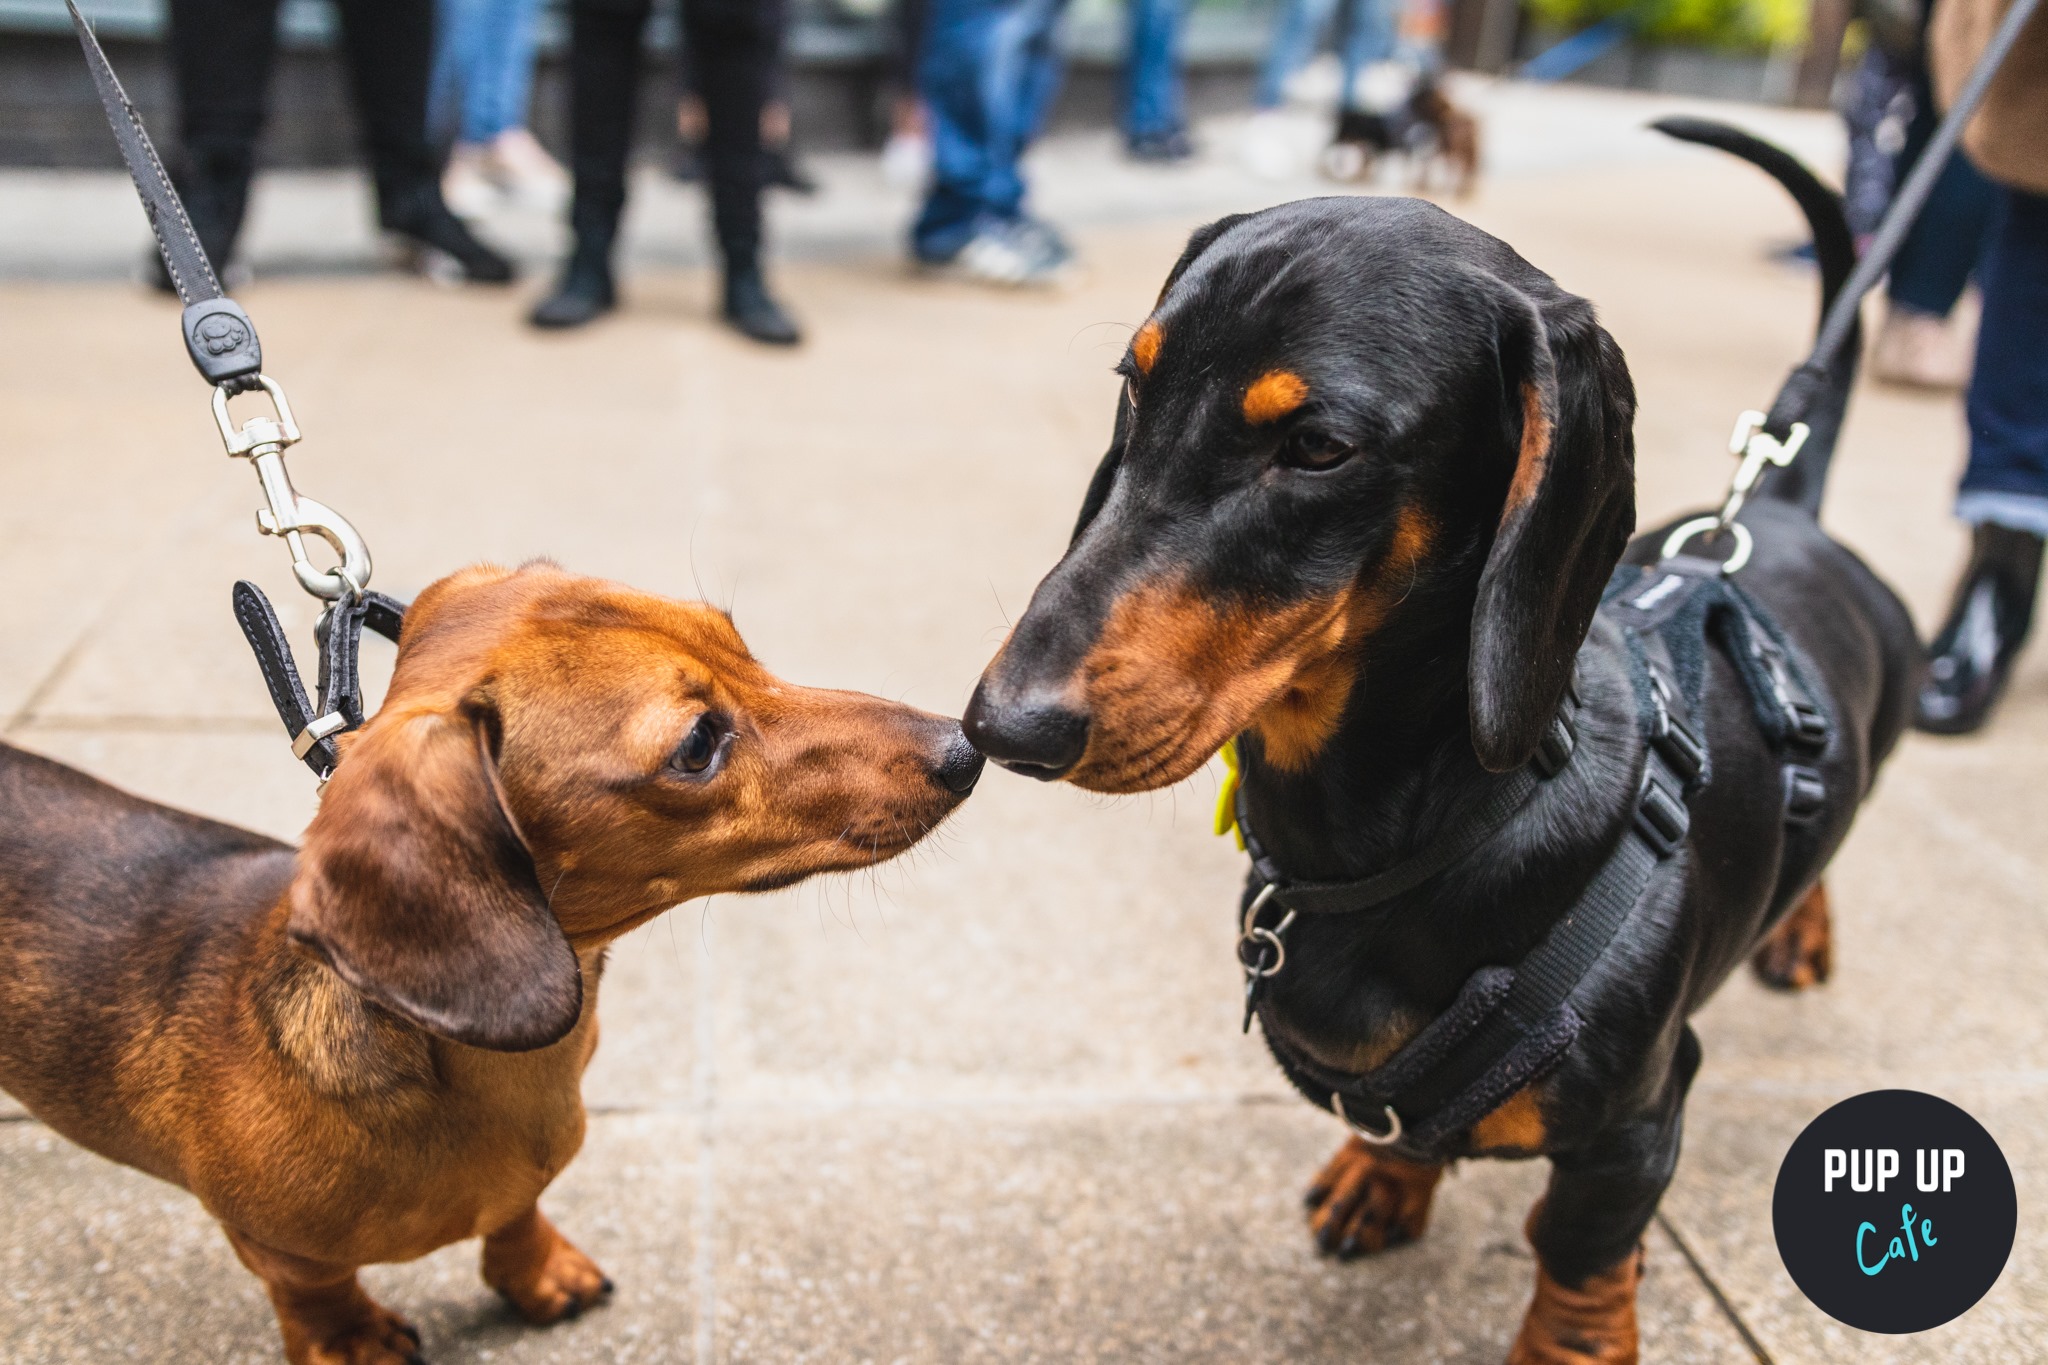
465,188
1021,255
906,161
522,168
1269,147
1919,350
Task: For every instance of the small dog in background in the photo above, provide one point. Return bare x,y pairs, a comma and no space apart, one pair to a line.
364,1049
1425,127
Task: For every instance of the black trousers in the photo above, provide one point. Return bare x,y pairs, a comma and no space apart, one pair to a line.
222,53
735,45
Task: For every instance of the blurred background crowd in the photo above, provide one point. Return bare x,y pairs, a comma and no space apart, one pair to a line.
950,94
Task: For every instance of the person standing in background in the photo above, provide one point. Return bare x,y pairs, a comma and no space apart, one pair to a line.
2004,490
988,75
222,52
1155,98
737,43
1921,342
483,76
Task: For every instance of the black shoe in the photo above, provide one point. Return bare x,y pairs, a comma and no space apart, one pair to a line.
780,170
429,229
585,293
753,312
1969,662
1160,147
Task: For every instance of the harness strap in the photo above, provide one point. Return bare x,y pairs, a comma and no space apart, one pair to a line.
340,632
1509,1027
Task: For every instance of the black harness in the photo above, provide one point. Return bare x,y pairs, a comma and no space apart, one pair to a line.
1510,1025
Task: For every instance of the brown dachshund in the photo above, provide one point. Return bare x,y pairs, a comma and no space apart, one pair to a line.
373,1047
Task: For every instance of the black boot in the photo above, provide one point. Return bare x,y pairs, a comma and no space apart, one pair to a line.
1970,660
753,311
425,226
586,291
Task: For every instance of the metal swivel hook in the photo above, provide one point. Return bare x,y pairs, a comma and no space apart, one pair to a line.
262,440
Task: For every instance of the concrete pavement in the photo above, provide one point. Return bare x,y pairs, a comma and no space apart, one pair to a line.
990,1103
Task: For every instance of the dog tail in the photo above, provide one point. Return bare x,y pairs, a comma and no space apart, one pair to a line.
1803,482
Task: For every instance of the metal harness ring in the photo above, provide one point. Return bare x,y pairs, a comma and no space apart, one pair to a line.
1382,1139
1711,526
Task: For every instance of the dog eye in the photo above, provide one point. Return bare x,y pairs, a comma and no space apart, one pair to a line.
699,747
1306,449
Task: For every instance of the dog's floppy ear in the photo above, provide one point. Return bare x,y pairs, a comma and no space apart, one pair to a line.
1568,410
415,886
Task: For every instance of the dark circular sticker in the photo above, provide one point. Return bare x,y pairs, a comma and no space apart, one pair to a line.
1895,1211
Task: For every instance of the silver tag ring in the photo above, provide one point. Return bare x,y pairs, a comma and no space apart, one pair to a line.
1744,543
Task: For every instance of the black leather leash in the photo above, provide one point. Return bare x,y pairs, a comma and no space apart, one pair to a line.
224,347
1510,1025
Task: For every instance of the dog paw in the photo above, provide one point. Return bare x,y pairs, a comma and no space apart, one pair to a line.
1799,953
1367,1200
381,1337
540,1273
1594,1324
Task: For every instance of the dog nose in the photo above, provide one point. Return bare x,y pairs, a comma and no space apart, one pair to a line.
1039,737
960,769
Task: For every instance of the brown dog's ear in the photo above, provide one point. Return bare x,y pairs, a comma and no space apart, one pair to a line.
415,887
1568,417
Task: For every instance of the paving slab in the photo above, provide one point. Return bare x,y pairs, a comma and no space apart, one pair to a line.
1171,1232
104,1264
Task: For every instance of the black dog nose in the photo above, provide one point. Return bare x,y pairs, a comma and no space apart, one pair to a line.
960,769
1038,737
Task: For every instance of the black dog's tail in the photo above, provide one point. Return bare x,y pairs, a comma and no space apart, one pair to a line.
1803,482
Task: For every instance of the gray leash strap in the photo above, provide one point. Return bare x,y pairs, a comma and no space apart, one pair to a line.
218,334
1803,384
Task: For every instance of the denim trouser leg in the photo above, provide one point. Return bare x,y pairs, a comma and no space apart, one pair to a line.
503,74
1153,104
483,67
2007,478
1368,37
1946,240
1300,24
988,75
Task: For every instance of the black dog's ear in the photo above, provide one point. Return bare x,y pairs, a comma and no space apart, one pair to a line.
415,886
1199,241
1568,413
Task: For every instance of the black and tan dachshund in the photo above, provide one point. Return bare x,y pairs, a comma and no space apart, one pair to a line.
1371,474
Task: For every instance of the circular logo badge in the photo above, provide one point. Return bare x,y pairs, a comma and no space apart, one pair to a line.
220,333
1894,1211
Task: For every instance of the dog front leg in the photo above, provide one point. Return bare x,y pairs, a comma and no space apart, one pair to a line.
325,1316
1587,1231
539,1272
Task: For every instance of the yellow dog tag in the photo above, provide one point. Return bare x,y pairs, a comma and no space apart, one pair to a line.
1226,798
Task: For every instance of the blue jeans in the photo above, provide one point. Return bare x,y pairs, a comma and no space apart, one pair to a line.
1367,38
483,68
1942,248
988,76
2006,481
1153,99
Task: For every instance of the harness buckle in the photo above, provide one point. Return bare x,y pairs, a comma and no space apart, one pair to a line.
1661,818
1806,792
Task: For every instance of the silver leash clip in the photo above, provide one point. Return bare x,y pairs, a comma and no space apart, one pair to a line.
1758,449
262,440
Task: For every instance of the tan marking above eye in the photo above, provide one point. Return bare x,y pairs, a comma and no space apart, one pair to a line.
1273,395
1145,345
